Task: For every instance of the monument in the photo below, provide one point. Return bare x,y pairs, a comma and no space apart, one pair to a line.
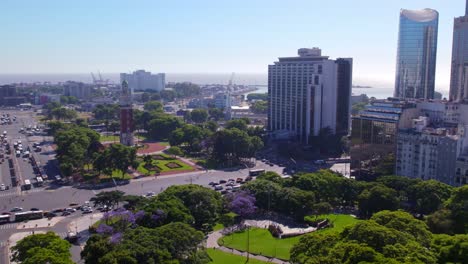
126,116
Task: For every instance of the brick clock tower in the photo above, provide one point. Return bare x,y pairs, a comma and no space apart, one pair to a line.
126,116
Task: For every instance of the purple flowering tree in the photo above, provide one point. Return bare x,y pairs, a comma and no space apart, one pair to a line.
243,204
116,238
104,229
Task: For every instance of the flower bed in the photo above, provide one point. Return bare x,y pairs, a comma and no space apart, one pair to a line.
173,165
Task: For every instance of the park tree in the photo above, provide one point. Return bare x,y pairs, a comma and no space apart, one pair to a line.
106,113
199,115
271,176
141,119
190,136
404,222
169,244
158,212
216,113
110,199
175,151
116,157
234,144
42,248
204,204
441,222
266,193
260,107
212,126
451,249
162,125
75,147
458,205
376,199
295,202
241,203
324,184
429,196
96,248
240,124
153,106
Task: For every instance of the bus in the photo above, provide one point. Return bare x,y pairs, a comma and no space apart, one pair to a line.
29,215
27,184
4,219
40,181
256,172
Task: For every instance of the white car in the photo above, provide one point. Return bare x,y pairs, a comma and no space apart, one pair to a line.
2,187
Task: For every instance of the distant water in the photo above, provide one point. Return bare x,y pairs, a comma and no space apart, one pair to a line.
198,78
378,90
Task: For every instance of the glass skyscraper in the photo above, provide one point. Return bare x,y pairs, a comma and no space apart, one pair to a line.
459,73
416,57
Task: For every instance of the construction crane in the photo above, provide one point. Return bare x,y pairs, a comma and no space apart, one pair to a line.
94,77
100,77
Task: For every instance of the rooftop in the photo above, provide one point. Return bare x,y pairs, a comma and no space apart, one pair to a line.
423,15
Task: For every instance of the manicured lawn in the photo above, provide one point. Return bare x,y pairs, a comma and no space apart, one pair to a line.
218,226
164,143
220,257
165,165
109,138
263,243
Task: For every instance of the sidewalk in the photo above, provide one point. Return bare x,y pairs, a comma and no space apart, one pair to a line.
40,223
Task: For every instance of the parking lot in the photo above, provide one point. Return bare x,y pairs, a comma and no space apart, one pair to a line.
21,151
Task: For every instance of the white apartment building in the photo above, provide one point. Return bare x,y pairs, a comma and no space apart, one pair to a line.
77,89
308,93
142,80
435,145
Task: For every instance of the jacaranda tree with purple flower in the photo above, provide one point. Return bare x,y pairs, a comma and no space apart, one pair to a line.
243,204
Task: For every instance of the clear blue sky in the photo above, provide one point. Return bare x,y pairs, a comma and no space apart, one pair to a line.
175,36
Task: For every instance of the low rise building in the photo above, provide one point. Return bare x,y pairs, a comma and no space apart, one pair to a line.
374,131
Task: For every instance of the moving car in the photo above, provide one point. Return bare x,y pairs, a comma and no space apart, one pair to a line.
16,209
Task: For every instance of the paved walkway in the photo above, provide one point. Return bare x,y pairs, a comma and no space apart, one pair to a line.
286,229
212,242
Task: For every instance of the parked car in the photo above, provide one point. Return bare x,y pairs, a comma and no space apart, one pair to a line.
222,181
65,213
239,180
218,188
88,211
2,187
34,209
212,183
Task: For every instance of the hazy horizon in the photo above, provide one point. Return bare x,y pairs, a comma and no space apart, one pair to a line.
206,36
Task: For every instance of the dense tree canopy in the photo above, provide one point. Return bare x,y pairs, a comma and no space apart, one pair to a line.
153,106
41,249
75,147
387,238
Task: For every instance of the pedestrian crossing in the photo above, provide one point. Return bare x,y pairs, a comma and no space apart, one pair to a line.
9,226
8,193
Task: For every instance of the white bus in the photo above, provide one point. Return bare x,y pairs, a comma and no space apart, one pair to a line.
27,184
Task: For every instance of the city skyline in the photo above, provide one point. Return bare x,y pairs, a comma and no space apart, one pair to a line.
202,37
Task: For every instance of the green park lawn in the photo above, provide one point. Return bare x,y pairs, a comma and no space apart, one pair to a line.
220,257
263,243
162,165
109,138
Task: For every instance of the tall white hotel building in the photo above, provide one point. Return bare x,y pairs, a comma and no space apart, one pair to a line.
308,93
